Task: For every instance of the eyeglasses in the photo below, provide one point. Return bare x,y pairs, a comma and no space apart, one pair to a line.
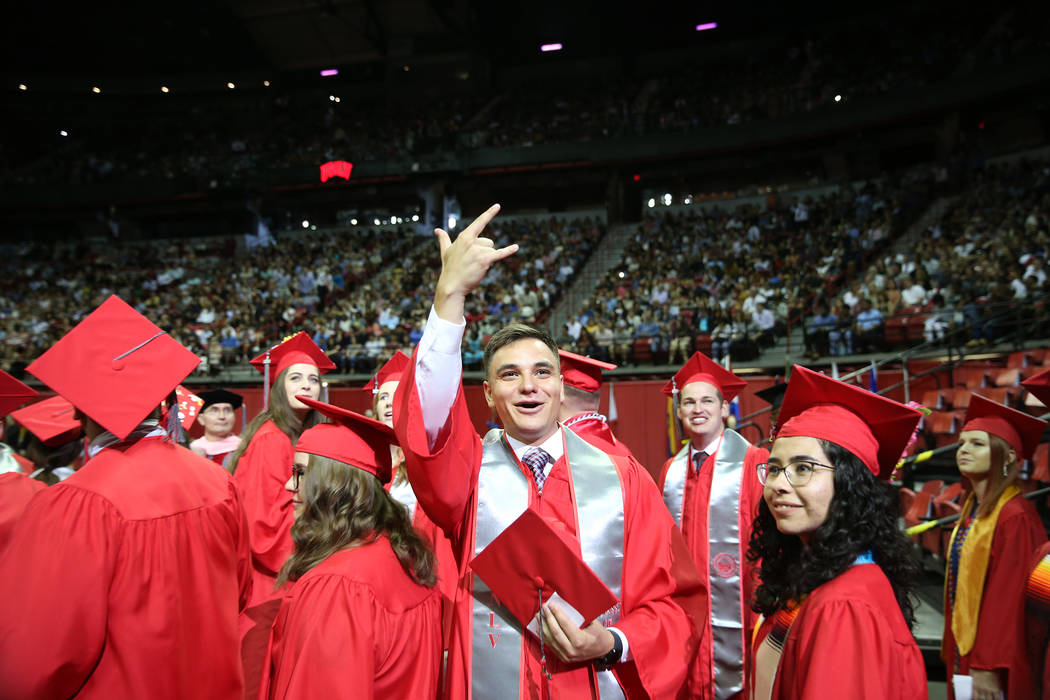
797,473
297,474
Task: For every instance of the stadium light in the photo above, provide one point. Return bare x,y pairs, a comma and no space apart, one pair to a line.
63,132
452,221
230,85
266,83
546,48
415,217
838,98
97,90
306,224
353,222
651,202
377,222
22,86
667,199
328,72
706,25
164,89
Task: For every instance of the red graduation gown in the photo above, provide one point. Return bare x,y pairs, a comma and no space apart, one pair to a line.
659,583
125,580
849,640
356,627
598,433
15,491
1000,643
262,471
695,502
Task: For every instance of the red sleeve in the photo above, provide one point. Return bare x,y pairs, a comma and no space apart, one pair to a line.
664,598
1000,629
327,642
54,586
443,477
262,472
16,490
663,474
842,649
750,496
244,550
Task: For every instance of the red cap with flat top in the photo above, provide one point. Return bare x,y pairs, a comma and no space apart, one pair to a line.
116,366
701,368
390,372
51,420
1039,386
530,556
1020,430
298,349
352,439
584,373
13,393
873,428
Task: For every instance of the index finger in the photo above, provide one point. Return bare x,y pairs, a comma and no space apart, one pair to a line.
478,225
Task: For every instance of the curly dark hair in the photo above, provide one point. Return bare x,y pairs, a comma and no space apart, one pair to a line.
862,517
345,506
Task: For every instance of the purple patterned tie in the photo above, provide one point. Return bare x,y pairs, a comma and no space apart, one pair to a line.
536,458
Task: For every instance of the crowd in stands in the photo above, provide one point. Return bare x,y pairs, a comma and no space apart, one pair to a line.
224,140
361,295
978,273
729,282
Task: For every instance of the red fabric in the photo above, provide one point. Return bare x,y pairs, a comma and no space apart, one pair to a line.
1000,643
125,581
356,627
1038,639
15,491
448,573
262,471
849,640
599,434
657,587
695,503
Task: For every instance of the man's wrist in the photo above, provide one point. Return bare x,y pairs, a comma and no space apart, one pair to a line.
614,655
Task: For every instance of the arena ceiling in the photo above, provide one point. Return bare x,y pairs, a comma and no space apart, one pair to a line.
137,37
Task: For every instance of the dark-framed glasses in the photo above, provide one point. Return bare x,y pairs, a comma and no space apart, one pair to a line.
797,473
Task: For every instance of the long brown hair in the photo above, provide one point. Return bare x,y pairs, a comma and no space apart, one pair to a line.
344,506
998,455
282,415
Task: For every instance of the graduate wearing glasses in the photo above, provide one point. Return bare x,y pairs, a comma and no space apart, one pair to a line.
836,571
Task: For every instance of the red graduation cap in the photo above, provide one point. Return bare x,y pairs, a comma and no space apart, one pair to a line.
116,366
51,420
530,556
189,406
875,429
13,393
701,368
1039,386
390,372
352,439
584,373
1020,430
295,350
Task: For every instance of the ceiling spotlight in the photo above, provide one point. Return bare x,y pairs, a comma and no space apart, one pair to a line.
22,86
230,85
306,223
353,222
97,90
266,83
164,89
63,132
338,100
331,98
838,98
377,222
405,68
651,202
415,217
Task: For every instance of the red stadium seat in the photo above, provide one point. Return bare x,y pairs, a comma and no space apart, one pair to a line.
1041,462
907,497
932,487
703,344
937,399
976,378
961,399
1017,359
951,492
1003,395
919,510
641,349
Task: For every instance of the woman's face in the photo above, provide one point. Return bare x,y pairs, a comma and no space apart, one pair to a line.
293,484
799,510
974,456
384,403
302,379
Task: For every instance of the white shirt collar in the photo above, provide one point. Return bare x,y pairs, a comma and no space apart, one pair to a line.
710,448
554,445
